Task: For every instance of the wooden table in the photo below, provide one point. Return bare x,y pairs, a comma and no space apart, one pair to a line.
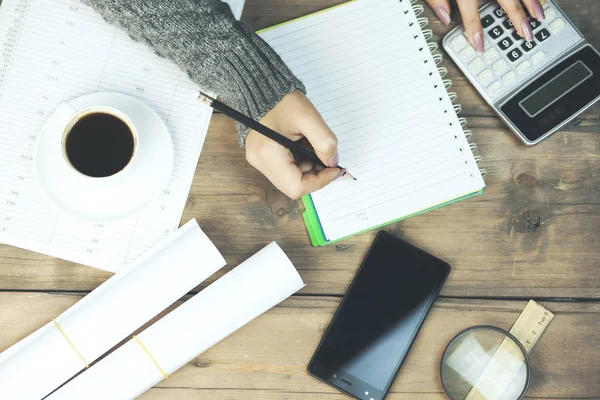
535,233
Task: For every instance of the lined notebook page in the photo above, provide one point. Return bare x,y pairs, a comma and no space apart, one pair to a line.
58,50
398,133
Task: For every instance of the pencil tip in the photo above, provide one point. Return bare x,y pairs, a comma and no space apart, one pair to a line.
355,179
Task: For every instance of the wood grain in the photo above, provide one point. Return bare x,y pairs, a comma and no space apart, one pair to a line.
268,357
534,233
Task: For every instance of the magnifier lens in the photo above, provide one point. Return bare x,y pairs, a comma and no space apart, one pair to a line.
485,363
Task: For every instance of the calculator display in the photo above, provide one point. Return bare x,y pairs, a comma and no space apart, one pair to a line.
555,89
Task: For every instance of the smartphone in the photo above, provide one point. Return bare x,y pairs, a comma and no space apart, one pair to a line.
379,318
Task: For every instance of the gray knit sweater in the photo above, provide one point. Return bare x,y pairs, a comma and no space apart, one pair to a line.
218,53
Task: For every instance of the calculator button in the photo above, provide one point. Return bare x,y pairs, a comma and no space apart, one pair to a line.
486,76
535,24
508,24
499,12
550,13
500,66
496,32
467,53
487,21
516,36
459,42
476,65
514,55
524,66
528,46
505,43
494,87
538,57
491,54
542,35
557,26
509,77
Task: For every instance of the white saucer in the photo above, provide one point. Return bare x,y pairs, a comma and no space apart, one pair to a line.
118,196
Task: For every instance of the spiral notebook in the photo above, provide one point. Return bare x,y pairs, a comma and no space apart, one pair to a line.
370,71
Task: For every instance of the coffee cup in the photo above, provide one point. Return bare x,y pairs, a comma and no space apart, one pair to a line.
104,156
98,142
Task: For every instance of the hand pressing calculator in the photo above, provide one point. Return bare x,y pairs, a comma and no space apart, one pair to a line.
535,87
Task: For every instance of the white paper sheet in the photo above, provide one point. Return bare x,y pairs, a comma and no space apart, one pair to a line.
368,75
43,361
58,50
244,293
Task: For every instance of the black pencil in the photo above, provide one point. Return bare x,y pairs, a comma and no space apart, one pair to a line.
296,148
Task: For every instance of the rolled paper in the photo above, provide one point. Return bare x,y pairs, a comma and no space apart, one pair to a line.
46,359
244,293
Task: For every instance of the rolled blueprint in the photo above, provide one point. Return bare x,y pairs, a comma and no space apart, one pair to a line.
47,358
247,291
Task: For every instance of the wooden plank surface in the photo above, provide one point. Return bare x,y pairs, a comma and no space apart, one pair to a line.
534,233
267,358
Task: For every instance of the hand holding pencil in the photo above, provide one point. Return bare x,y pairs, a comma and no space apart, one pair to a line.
275,145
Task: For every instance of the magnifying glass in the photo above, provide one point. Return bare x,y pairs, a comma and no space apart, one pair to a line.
485,363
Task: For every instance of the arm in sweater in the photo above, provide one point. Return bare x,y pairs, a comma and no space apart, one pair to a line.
218,52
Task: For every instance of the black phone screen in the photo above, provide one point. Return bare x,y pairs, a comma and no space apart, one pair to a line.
379,318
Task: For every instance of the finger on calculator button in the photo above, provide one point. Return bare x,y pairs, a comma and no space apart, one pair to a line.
472,23
516,36
535,24
514,10
508,24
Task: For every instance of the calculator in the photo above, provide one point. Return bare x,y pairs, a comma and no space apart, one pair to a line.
535,87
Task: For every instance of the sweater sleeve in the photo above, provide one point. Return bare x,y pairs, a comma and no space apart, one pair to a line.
218,52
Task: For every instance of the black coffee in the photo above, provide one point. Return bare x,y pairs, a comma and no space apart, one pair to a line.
99,145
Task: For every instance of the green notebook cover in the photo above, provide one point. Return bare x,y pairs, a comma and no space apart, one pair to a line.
315,231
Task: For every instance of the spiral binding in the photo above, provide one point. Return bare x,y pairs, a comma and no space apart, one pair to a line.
422,22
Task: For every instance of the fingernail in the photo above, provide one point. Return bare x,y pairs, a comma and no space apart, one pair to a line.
478,41
342,173
538,10
442,14
334,161
527,30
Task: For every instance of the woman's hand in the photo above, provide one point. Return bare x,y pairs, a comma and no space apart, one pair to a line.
296,118
470,15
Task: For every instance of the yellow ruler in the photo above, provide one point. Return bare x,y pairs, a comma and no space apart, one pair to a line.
528,328
531,324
